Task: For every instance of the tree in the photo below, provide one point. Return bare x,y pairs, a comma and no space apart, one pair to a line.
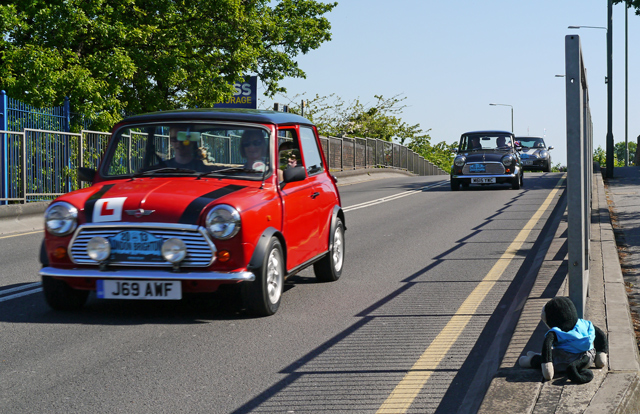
619,153
335,117
631,3
113,58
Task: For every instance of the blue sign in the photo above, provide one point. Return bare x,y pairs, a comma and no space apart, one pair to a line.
245,96
477,168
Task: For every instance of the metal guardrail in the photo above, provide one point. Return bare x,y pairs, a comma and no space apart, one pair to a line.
579,172
42,164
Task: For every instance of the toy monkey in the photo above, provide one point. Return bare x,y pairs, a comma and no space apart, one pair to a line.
571,344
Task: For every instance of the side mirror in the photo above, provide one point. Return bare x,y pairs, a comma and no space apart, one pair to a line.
455,150
293,174
86,174
518,147
550,147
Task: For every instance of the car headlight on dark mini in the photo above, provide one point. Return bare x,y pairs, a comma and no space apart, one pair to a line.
543,154
99,249
61,218
459,161
223,222
174,250
507,159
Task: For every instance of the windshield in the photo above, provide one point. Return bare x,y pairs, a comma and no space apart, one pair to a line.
189,148
473,142
529,142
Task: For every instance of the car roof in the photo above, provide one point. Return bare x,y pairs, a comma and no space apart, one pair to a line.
489,131
241,115
530,137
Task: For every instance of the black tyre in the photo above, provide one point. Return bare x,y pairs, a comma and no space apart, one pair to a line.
329,268
262,296
522,180
515,183
548,167
60,296
455,184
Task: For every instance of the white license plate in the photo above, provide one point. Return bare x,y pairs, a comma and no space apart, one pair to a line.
483,180
139,289
527,162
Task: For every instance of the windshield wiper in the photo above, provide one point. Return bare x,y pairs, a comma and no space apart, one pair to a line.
228,171
163,171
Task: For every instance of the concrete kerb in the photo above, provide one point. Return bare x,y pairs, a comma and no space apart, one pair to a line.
615,389
15,218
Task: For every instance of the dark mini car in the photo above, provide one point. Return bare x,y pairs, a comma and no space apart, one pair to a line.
486,157
192,200
535,154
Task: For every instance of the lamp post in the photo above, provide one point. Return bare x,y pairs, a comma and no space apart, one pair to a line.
497,104
609,81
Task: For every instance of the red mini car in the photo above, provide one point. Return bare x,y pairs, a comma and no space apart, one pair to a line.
189,200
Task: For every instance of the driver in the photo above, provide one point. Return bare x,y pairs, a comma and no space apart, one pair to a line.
186,154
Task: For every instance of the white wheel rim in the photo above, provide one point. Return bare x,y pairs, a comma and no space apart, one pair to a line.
338,249
274,276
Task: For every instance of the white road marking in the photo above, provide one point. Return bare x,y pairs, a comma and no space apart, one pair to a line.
34,288
393,197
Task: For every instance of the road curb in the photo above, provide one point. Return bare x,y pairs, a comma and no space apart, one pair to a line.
15,218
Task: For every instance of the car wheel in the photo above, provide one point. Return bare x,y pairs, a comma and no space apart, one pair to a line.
262,296
522,180
329,268
60,296
515,183
455,184
548,167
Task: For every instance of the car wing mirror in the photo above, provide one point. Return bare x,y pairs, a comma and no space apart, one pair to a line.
86,174
550,147
294,174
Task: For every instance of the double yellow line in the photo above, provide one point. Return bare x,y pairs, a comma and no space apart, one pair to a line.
407,390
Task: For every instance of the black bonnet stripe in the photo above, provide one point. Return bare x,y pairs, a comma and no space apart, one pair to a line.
91,202
193,210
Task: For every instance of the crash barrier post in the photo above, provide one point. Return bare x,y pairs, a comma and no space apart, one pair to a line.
579,171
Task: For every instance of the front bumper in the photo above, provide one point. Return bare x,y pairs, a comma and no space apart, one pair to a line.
154,274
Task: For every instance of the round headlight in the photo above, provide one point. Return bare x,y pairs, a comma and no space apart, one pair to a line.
507,159
223,222
174,250
61,218
99,249
459,161
544,154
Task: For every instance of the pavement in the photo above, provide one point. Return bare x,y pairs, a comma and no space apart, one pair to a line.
616,387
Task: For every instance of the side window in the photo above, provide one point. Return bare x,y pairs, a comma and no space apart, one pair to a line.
311,153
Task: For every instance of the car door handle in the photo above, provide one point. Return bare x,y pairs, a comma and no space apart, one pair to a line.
314,195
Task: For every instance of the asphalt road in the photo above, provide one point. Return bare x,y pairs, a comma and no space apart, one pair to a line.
415,324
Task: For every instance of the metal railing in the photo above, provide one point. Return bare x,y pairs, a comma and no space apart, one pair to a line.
345,154
43,164
579,172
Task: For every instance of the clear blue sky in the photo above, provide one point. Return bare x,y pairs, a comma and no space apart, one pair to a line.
452,58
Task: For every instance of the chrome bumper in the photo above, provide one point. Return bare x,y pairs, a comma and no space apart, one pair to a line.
485,176
148,274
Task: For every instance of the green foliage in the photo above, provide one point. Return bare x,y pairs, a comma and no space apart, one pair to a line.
631,3
600,155
440,154
130,56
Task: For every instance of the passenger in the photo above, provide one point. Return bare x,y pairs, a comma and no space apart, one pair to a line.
502,142
253,148
289,156
474,143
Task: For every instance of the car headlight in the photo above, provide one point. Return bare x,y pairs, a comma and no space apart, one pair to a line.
99,249
507,159
544,154
174,250
61,218
459,161
223,222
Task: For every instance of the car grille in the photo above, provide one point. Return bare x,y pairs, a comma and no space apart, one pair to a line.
490,168
200,251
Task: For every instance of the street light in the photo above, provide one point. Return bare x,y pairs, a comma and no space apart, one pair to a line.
496,104
609,81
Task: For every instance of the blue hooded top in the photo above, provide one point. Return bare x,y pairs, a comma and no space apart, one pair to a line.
579,339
